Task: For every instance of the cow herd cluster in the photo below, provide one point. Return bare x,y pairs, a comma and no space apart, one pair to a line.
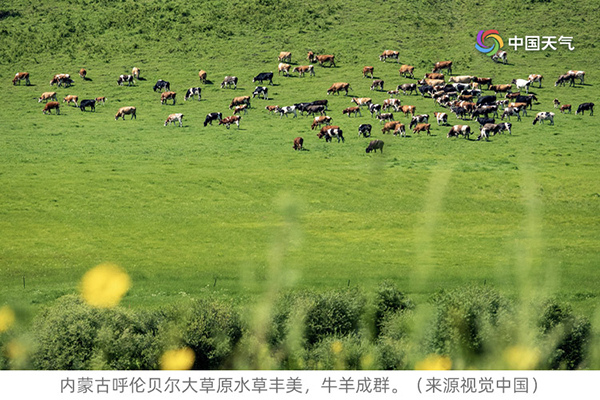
462,96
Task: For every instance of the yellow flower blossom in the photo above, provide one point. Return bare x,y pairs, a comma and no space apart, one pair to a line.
521,357
434,362
7,318
176,360
104,285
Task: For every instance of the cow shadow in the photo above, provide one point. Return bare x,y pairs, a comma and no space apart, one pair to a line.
141,79
208,82
85,78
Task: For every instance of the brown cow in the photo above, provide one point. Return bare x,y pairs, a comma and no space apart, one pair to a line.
447,65
101,100
350,110
536,78
272,109
311,56
202,76
511,96
298,142
71,99
47,96
239,100
239,109
389,54
20,76
434,75
432,82
320,121
483,81
339,86
500,88
234,119
422,127
126,111
368,70
50,106
377,84
323,131
135,72
285,68
565,107
82,73
408,110
385,117
374,145
394,103
361,101
400,130
456,130
326,58
167,96
285,56
389,126
302,69
407,70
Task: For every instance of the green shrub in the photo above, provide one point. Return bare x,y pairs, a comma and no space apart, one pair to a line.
395,340
342,353
389,300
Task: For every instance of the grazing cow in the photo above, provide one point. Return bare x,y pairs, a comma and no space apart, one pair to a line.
542,116
88,103
298,142
318,121
504,126
51,106
323,132
521,106
456,130
432,82
126,111
21,76
364,130
500,88
126,78
239,100
239,109
58,77
408,110
417,119
339,86
483,121
434,75
302,69
410,87
565,78
368,70
389,54
135,72
375,145
407,70
191,92
47,96
585,106
485,110
425,89
264,76
334,132
202,75
500,55
285,56
350,110
487,130
389,126
287,110
529,99
377,84
400,130
535,78
326,59
175,118
71,99
577,74
511,111
374,109
511,96
422,127
556,103
234,119
394,103
522,83
261,91
272,109
361,101
217,116
167,96
441,117
483,81
447,65
160,85
82,73
385,117
228,81
460,112
302,107
285,68
565,107
315,109
461,79
100,100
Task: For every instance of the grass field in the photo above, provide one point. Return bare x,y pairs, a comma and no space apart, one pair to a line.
194,210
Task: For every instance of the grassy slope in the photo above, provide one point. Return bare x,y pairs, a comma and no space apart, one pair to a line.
180,207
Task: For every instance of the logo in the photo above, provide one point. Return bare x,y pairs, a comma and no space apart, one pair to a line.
492,36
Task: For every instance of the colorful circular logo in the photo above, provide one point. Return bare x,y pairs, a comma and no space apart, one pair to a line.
493,36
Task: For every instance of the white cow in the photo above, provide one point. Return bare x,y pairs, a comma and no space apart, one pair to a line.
522,84
175,118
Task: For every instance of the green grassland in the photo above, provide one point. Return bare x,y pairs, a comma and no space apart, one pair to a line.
194,210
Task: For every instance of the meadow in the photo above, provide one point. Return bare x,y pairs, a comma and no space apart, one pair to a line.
201,211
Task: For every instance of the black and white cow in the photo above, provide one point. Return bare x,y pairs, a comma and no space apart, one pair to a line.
585,107
264,76
504,126
287,110
191,92
160,85
374,109
261,91
125,78
512,111
213,117
364,130
542,116
418,119
425,89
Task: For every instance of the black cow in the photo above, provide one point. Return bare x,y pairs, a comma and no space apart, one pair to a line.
460,112
585,106
374,145
313,109
213,117
425,89
191,92
264,76
365,130
483,121
160,85
319,103
302,107
526,99
65,82
486,100
87,103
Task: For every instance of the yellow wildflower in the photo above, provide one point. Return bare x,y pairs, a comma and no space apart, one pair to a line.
434,362
105,285
175,360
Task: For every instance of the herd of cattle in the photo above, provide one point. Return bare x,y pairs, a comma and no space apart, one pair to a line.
462,96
